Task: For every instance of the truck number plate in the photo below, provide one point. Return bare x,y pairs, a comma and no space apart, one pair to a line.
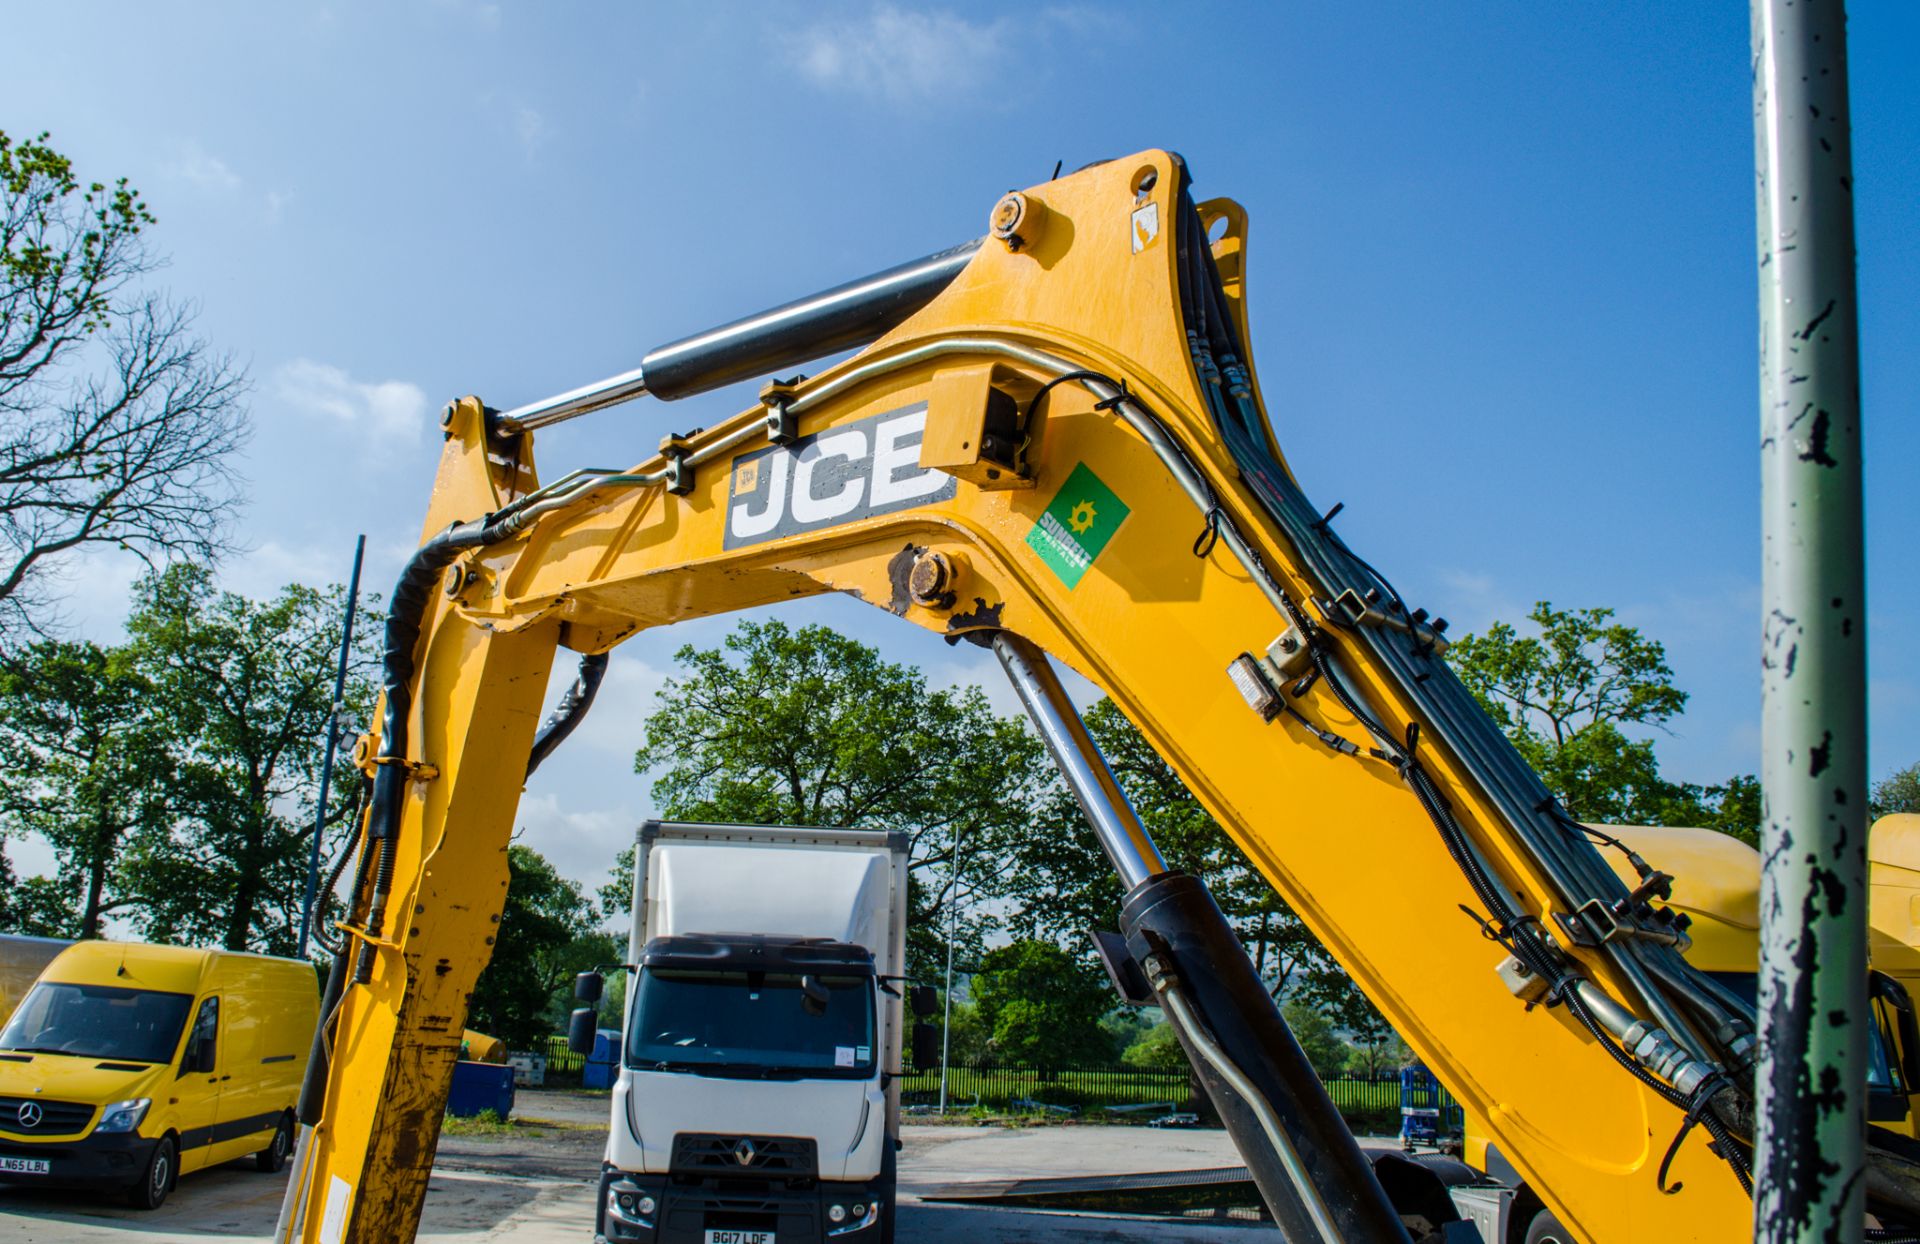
739,1237
40,1166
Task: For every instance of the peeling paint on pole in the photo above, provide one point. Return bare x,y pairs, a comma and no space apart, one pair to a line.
1813,900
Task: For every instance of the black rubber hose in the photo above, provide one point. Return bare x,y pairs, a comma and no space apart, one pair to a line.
570,711
406,616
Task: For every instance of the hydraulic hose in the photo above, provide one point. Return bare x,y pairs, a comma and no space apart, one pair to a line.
411,596
570,711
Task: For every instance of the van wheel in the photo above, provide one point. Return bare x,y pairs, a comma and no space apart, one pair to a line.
1546,1229
162,1168
274,1156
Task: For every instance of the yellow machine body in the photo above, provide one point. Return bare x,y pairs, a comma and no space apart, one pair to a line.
1148,621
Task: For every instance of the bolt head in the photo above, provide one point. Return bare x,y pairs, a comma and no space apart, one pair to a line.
931,580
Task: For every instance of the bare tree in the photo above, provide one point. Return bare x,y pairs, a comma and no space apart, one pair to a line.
118,424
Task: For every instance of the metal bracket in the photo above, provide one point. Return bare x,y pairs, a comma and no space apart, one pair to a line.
1522,981
679,475
776,396
1350,609
1595,923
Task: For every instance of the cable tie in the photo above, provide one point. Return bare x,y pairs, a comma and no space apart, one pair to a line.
1320,524
1111,403
1209,533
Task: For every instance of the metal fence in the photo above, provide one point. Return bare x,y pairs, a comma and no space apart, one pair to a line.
561,1060
1109,1092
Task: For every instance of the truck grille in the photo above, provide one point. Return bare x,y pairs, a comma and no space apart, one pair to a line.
779,1157
55,1118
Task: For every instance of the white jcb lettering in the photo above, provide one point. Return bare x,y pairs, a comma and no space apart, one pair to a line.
807,508
773,472
890,457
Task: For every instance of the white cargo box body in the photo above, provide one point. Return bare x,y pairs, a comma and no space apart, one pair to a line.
846,885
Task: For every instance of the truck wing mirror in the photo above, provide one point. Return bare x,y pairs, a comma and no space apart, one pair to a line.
815,993
582,1028
587,986
926,1047
923,1000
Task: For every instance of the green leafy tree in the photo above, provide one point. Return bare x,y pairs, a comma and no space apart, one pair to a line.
546,935
1899,792
88,770
1041,1007
1318,1036
1065,884
1156,1049
117,424
35,906
1566,697
246,689
808,727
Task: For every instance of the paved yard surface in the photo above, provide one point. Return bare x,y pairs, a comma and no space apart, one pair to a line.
535,1186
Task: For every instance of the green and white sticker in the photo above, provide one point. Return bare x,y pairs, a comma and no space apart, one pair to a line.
1076,525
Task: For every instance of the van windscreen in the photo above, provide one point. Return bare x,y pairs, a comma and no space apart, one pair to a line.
97,1021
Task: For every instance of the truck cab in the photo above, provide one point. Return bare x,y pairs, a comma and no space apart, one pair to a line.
757,1100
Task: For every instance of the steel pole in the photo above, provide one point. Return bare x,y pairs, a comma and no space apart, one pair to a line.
1813,898
1108,811
946,1019
333,735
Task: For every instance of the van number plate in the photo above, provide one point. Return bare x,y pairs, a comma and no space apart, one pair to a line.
40,1166
739,1237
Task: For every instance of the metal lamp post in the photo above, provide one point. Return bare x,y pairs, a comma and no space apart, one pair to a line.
1809,1147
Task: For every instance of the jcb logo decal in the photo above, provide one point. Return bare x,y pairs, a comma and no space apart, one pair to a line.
870,466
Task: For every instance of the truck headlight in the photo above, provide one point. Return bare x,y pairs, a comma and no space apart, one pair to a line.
123,1116
847,1219
630,1204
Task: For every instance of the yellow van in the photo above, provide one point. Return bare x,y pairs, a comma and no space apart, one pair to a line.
129,1065
21,961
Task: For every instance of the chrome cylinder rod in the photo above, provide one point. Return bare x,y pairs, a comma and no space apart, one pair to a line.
1812,1083
797,332
1102,801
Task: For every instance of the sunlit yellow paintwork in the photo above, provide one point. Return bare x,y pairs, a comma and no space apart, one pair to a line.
1152,625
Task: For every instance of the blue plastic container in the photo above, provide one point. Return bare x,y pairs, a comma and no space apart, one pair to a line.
478,1087
603,1065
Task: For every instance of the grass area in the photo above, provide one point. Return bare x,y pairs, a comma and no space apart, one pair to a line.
490,1125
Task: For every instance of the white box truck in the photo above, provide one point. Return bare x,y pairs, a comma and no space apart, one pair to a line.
757,1100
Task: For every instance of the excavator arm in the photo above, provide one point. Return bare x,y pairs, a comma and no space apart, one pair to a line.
1059,445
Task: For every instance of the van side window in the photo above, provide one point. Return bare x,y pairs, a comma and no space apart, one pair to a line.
200,1044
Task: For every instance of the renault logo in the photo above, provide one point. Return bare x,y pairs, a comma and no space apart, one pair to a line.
743,1153
29,1114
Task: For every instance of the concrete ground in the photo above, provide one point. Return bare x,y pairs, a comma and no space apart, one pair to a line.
537,1186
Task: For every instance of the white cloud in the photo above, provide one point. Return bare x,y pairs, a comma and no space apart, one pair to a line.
484,16
628,693
262,571
900,55
201,168
903,55
580,843
276,201
396,408
530,128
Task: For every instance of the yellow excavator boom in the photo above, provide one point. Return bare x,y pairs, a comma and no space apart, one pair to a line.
1066,444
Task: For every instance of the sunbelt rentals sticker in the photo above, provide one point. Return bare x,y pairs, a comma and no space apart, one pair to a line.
1076,525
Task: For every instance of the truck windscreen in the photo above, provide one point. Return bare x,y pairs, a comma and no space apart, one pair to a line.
97,1021
751,1024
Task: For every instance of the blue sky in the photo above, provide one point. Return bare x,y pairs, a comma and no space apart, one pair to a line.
1501,270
